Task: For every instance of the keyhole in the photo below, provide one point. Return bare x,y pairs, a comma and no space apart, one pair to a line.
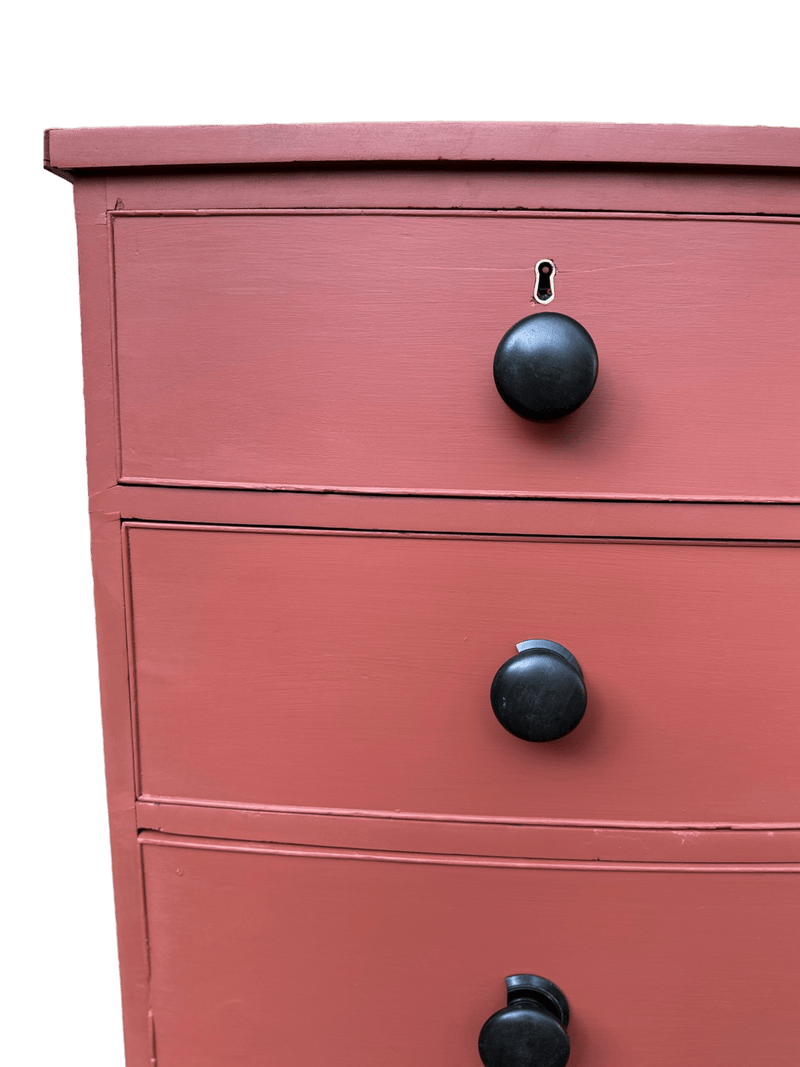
545,289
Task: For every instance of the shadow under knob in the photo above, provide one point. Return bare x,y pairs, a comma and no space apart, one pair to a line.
531,1030
545,366
539,694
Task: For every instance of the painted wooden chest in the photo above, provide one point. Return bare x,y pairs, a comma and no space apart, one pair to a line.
322,528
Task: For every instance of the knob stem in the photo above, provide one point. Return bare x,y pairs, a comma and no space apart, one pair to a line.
551,646
540,990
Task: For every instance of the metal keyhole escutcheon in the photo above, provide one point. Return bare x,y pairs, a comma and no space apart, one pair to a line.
544,289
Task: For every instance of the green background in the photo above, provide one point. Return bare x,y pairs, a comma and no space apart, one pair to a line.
157,63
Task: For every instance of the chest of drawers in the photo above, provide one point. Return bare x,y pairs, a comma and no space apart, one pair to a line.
319,532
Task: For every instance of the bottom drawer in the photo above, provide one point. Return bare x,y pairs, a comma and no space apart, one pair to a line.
264,954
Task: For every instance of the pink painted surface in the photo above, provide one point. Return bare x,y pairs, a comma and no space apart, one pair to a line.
674,944
353,672
97,332
107,563
547,186
356,352
421,141
446,835
350,511
364,960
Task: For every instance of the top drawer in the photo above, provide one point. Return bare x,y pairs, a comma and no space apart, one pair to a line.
354,351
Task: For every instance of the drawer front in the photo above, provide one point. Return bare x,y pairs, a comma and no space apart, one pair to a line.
356,352
369,959
329,670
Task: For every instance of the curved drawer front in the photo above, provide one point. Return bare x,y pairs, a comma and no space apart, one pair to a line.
356,352
401,959
352,671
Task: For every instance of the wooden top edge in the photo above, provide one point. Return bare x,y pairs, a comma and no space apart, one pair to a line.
68,150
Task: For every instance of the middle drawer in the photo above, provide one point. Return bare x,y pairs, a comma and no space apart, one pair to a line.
331,670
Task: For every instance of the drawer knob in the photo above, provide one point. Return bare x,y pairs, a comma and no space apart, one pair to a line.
545,366
532,1030
539,694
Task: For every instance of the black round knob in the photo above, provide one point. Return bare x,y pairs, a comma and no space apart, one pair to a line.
539,694
545,366
532,1030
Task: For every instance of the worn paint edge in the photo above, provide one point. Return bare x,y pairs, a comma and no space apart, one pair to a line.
149,837
439,142
473,494
455,535
474,820
456,212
